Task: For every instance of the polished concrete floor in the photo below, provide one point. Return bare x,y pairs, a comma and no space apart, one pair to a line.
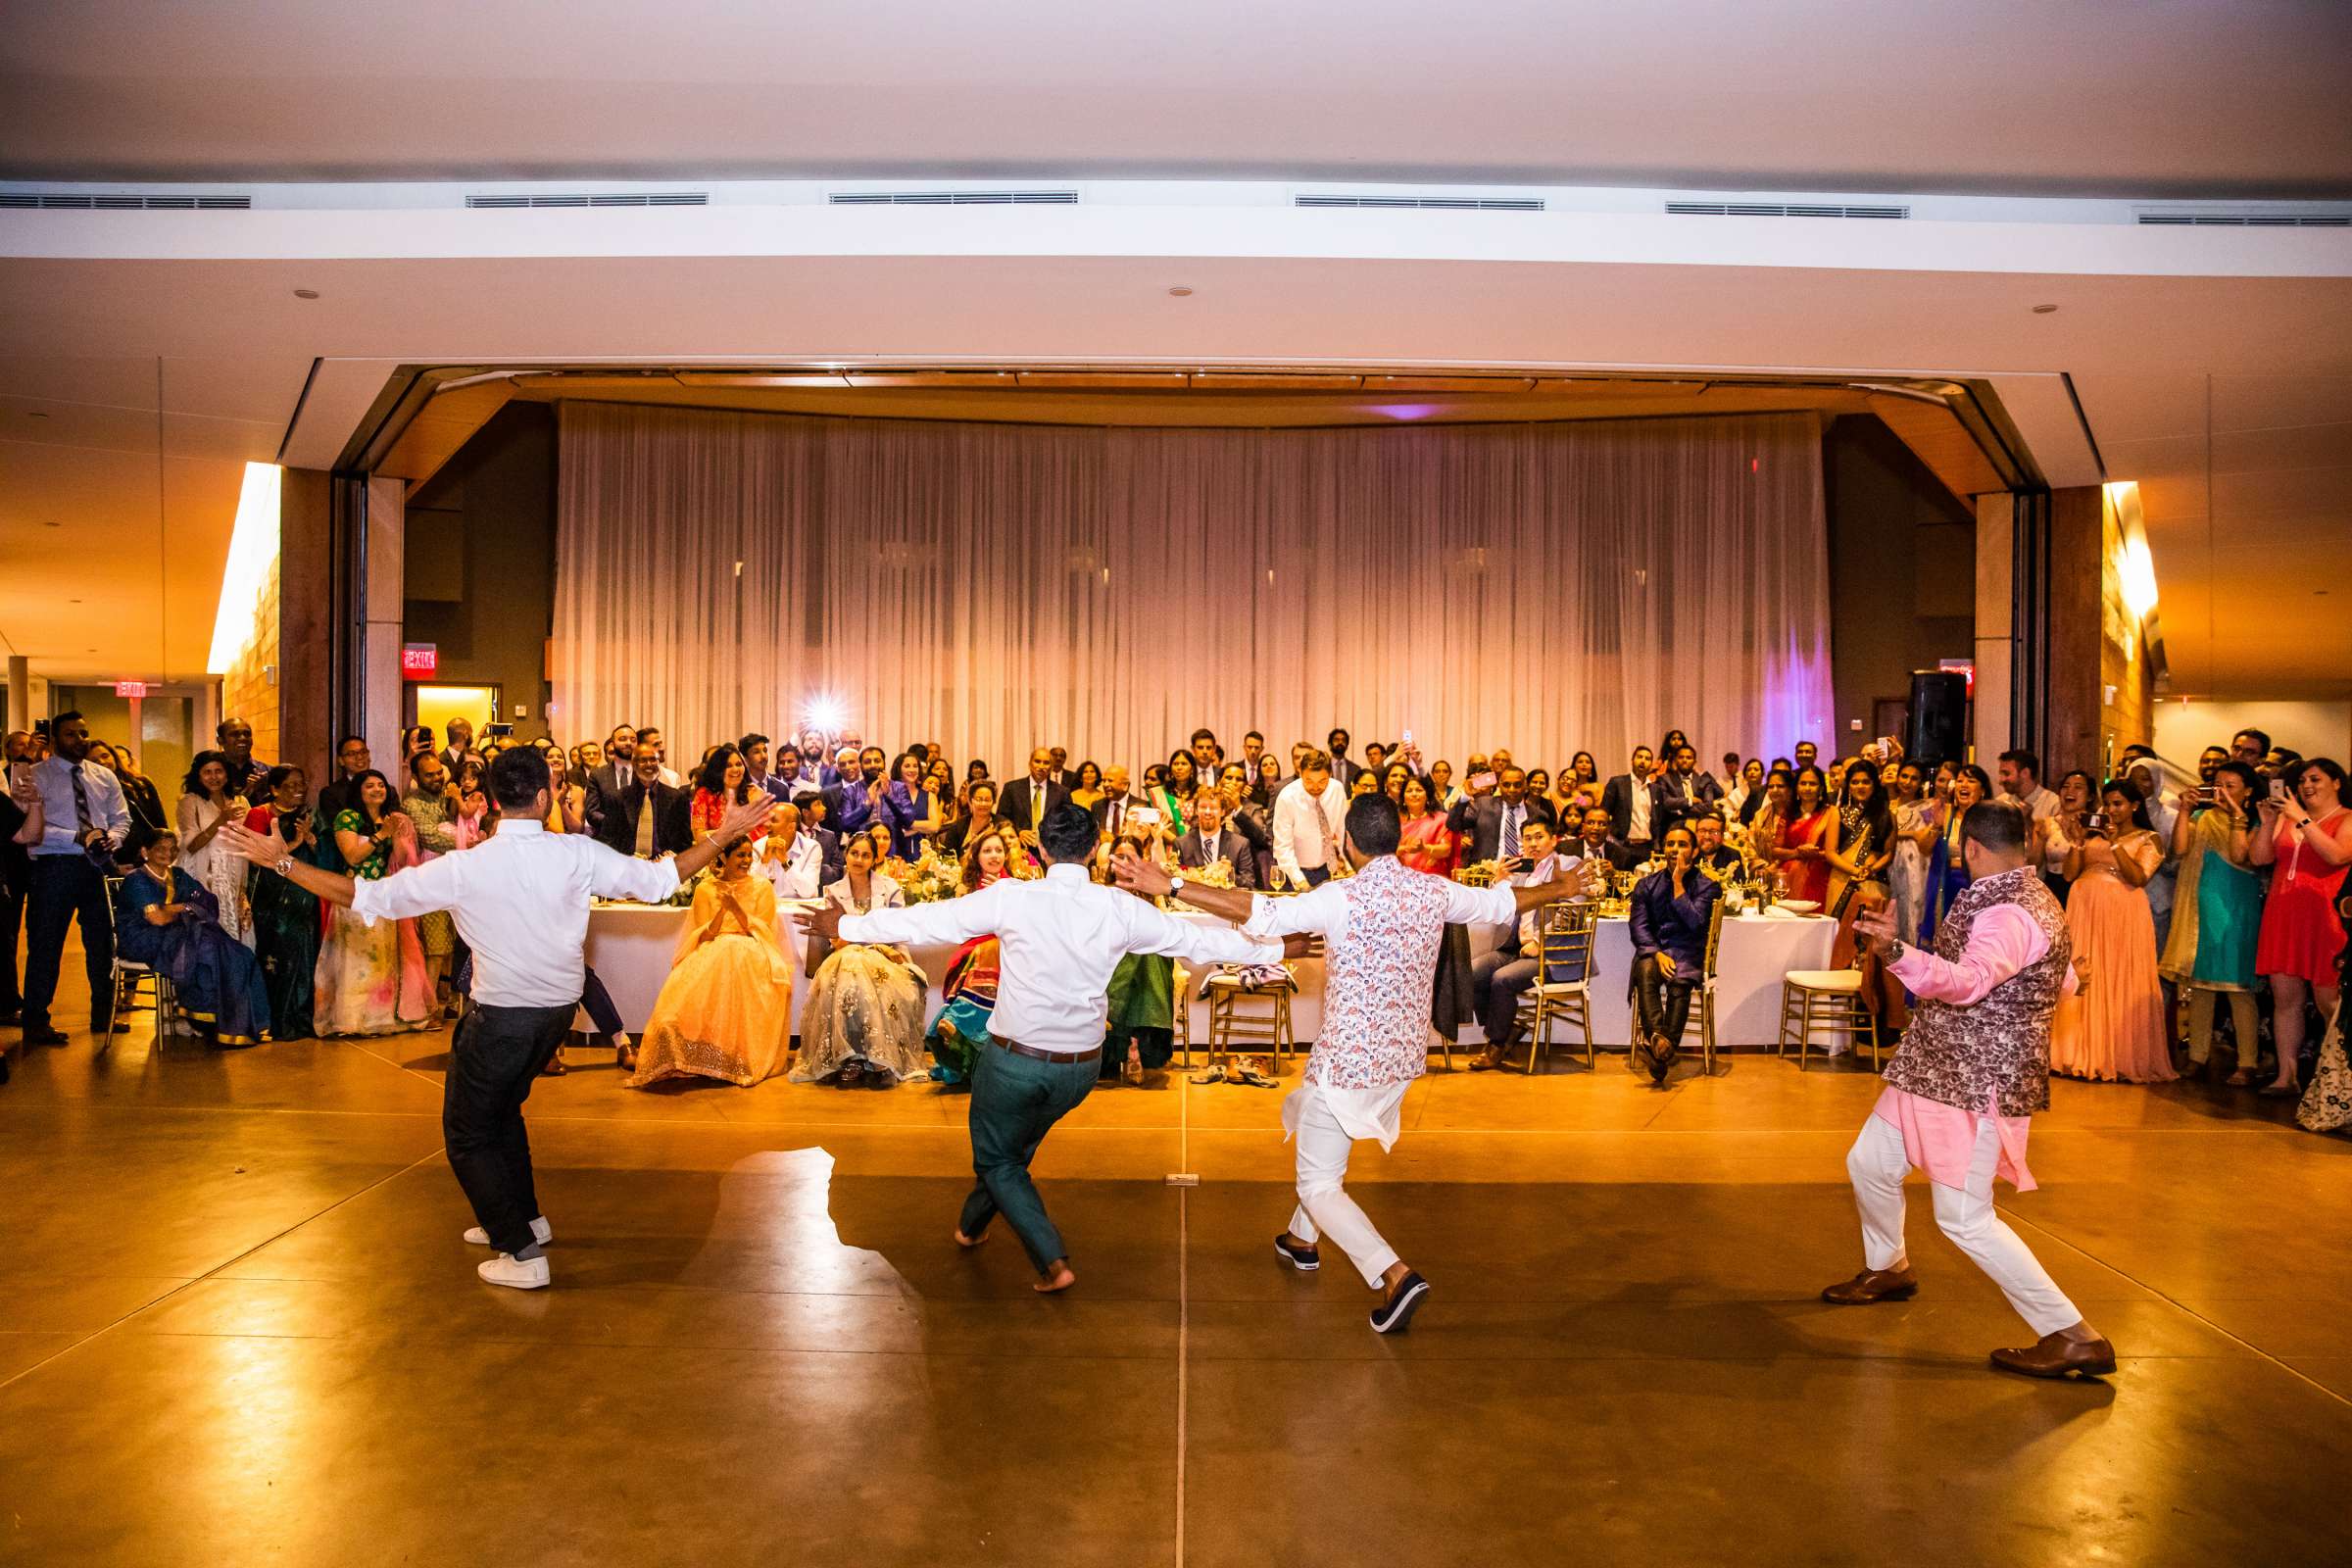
239,1328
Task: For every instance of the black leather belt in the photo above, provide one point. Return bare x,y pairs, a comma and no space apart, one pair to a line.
1035,1054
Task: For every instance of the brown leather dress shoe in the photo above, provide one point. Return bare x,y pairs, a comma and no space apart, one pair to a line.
2058,1357
1872,1286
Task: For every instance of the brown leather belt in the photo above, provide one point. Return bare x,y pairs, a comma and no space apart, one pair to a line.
1035,1054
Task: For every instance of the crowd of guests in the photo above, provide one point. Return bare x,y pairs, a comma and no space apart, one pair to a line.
2182,900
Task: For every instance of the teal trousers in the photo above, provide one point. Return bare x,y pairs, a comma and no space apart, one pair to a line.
1015,1103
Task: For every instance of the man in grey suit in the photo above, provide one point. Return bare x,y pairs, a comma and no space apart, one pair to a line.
1212,840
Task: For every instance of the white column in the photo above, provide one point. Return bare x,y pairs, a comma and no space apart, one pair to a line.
379,643
1996,633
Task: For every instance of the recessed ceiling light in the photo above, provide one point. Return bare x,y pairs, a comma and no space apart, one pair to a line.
2043,309
1181,291
306,293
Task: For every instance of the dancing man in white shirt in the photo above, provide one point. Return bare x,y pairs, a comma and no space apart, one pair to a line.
1062,936
521,901
1381,930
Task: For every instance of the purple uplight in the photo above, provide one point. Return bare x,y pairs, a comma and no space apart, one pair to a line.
1406,411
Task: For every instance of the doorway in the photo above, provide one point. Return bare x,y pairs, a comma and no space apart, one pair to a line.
435,706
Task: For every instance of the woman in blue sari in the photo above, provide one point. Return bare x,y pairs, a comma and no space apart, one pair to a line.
1946,873
167,922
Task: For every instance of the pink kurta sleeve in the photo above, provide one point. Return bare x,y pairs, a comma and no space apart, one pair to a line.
2002,941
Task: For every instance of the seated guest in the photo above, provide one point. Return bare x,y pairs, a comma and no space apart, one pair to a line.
206,801
855,798
1307,817
1424,842
979,814
1111,811
286,914
910,809
1140,1020
791,858
1267,784
1595,842
650,739
166,920
755,771
969,992
1210,840
2122,1032
831,861
649,818
1669,917
1631,801
1499,978
726,1011
863,1021
370,978
1025,801
1716,858
1491,825
724,780
1244,815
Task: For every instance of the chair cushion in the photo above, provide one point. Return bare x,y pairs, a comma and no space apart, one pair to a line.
1560,988
1824,979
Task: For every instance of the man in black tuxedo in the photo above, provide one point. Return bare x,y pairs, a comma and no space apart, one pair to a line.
1597,843
1682,791
1633,803
648,817
1212,840
1493,821
1026,801
1111,811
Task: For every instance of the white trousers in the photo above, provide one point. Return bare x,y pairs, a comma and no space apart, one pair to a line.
1877,1164
1324,1207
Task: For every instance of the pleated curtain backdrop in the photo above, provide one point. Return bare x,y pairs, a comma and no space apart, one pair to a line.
1544,587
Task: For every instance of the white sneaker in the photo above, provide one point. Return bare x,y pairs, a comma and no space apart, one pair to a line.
541,1232
522,1274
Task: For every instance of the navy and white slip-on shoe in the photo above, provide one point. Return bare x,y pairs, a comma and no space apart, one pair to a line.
1305,1259
1394,1317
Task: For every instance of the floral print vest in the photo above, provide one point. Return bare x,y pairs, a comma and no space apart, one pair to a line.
1377,981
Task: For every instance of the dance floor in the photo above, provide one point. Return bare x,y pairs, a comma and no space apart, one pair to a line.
240,1328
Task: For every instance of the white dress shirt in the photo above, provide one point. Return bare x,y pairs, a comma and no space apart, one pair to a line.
102,796
519,898
1298,843
1531,924
797,874
1061,937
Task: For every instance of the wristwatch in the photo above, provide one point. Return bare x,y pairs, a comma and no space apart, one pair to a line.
1895,949
1175,887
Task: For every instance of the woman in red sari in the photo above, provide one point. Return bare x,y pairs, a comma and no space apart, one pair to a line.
1806,872
1425,843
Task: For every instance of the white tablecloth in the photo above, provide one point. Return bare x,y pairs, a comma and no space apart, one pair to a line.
630,946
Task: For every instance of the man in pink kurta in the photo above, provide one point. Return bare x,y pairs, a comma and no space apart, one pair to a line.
1973,1068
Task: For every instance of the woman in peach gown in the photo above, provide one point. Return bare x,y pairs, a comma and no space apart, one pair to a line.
726,1011
2123,1033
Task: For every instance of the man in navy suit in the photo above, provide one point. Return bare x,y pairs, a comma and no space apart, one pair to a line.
1028,801
1492,822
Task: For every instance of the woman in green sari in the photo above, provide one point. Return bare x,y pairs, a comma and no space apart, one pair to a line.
285,918
1141,1020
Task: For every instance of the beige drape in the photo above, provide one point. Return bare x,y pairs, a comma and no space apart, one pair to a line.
994,586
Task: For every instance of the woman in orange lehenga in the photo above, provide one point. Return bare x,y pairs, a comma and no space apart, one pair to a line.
2122,1034
726,1011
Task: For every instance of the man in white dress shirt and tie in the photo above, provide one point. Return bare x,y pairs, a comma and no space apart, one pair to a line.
521,901
1062,935
1307,814
1381,930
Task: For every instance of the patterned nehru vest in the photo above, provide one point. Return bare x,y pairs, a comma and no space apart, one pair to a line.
1996,1052
1377,980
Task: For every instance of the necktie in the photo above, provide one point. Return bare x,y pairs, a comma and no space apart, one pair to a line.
1323,824
1036,805
82,805
1510,831
645,823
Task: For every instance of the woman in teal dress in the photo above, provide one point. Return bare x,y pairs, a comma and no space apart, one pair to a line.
166,920
285,917
960,1031
2217,915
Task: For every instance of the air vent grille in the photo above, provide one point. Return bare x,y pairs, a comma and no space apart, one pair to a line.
2250,220
30,200
609,198
1785,209
1445,204
952,198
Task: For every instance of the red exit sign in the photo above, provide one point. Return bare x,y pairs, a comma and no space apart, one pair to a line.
420,661
130,688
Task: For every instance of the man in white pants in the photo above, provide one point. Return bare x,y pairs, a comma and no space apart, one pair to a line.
1381,929
1972,1067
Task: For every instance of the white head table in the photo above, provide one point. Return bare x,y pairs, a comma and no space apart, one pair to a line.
630,946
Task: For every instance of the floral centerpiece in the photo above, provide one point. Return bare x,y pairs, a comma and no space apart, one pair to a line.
927,879
1479,874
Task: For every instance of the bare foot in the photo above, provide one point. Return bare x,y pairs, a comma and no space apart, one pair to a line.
1057,1278
969,1241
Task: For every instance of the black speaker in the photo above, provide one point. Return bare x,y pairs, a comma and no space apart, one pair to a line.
1938,717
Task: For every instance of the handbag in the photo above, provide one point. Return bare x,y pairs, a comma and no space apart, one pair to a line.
2327,1104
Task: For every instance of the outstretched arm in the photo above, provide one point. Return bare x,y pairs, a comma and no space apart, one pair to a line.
270,853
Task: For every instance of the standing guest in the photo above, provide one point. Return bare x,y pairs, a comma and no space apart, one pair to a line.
1580,786
1914,831
1307,814
1139,1002
1768,829
1342,767
1111,811
1497,978
1727,778
1743,790
1595,842
1254,748
461,744
938,776
619,769
285,915
1490,826
909,808
1210,840
1669,917
968,993
521,901
248,775
1633,804
2209,763
979,815
1063,938
1382,929
1424,841
1682,791
586,759
351,762
1752,804
1174,796
649,818
2217,913
139,796
1061,767
1441,785
2123,1035
206,802
1947,873
2306,837
15,876
429,803
1393,778
725,1010
2021,781
1267,784
1807,866
1806,755
1027,801
169,921
650,739
2057,836
82,822
2143,771
1244,815
863,1022
1860,845
855,798
370,978
724,781
755,771
1962,1088
1207,754
2251,746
